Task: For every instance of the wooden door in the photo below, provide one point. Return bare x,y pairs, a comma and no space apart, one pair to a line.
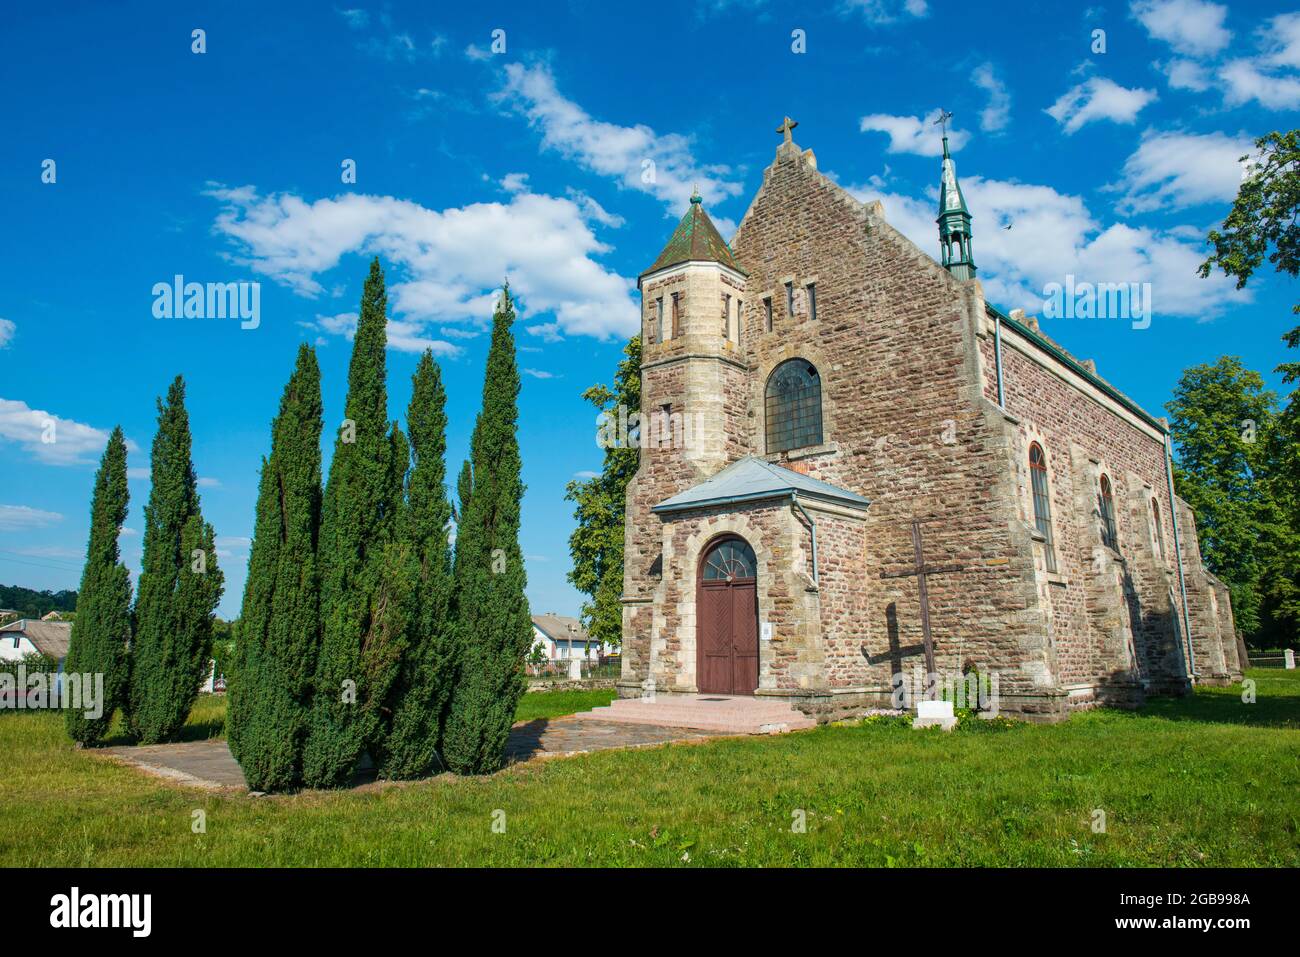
727,619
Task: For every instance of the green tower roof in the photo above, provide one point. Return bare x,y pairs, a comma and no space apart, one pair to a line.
695,239
951,199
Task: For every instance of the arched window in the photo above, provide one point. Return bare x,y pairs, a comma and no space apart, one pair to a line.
1106,506
1160,530
1042,503
729,560
794,406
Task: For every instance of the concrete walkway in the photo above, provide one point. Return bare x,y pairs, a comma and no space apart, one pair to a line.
210,765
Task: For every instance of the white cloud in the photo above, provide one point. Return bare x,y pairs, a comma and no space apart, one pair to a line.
476,52
1244,81
21,518
1176,170
912,134
7,329
1098,99
1281,39
886,11
1192,27
1186,75
51,439
204,481
444,266
1054,234
635,157
997,114
356,18
138,474
403,336
538,373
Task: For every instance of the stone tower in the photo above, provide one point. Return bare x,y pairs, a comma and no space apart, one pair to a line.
954,218
693,391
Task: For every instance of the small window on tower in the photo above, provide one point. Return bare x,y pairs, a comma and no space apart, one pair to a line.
677,315
812,301
659,320
739,306
789,299
767,312
726,316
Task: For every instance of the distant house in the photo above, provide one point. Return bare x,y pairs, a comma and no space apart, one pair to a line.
9,614
27,636
52,616
563,637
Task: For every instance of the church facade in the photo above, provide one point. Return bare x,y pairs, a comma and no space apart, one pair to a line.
853,466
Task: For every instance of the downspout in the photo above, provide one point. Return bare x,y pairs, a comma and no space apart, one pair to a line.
794,500
997,353
1178,554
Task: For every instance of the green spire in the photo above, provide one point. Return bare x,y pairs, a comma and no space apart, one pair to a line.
954,216
696,239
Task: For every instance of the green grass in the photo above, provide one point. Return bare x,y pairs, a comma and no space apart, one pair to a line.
1207,781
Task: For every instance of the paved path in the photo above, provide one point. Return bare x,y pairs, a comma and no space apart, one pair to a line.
209,764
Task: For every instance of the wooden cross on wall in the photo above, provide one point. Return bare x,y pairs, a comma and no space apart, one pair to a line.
786,128
921,572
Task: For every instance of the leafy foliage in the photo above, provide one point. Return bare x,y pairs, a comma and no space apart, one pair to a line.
102,635
1264,223
596,544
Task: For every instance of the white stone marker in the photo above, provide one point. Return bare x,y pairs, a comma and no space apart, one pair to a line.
575,669
1288,656
930,714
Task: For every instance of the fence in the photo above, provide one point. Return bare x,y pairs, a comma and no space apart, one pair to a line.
1270,661
558,668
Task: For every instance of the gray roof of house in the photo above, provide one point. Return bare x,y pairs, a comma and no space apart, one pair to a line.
50,637
751,479
557,627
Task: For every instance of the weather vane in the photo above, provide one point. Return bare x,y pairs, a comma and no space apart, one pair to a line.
942,121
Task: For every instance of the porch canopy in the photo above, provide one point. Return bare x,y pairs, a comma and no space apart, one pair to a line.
753,479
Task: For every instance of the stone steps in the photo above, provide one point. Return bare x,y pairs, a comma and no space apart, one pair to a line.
731,714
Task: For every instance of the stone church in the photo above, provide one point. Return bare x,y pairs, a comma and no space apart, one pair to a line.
860,467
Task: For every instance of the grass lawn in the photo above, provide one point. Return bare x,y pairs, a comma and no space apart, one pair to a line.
1201,782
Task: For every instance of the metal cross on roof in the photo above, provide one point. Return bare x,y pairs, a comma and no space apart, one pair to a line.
786,127
942,121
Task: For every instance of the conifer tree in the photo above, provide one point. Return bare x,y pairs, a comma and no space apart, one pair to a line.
180,585
268,693
494,626
101,632
420,695
353,516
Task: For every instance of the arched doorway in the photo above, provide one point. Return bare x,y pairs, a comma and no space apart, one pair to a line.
726,616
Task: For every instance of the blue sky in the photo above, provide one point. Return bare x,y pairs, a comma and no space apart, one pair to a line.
531,162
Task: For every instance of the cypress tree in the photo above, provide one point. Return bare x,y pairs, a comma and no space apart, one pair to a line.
420,695
495,629
384,644
101,632
180,585
353,516
269,691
